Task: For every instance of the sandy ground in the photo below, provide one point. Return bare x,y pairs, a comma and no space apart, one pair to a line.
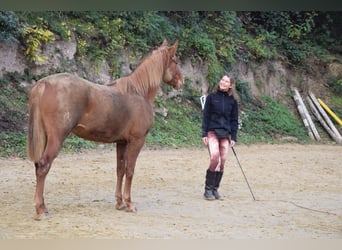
298,191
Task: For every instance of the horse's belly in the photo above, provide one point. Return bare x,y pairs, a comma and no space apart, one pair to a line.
94,134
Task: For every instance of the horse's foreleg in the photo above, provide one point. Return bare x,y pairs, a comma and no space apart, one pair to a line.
120,172
42,169
133,150
127,191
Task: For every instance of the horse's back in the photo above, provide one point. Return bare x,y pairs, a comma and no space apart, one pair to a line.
64,80
92,111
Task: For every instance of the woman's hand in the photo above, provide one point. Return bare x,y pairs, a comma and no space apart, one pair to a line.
232,143
205,140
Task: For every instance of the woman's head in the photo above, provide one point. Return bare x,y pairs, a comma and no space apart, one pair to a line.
226,83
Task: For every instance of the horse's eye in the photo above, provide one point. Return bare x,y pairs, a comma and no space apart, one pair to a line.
174,58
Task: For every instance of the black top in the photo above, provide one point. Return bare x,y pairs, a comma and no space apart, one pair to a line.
220,112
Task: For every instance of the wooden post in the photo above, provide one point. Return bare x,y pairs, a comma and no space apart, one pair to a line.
300,108
321,120
311,125
337,136
330,112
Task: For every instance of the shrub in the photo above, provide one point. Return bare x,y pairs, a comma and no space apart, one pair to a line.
9,26
34,38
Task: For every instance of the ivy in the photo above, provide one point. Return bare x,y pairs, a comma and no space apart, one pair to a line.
35,38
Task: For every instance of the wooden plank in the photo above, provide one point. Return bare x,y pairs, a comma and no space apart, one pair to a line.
321,120
302,114
326,118
307,115
330,112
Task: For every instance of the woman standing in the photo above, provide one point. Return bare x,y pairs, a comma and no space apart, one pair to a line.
219,130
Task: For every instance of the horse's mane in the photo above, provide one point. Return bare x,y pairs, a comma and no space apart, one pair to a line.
148,74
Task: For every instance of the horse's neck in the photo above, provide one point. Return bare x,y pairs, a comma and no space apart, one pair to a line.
145,79
139,84
152,95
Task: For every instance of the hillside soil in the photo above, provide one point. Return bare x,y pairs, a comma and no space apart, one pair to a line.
298,193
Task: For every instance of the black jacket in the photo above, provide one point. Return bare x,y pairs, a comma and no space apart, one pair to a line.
220,111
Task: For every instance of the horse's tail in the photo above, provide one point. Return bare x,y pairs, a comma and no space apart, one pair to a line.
36,137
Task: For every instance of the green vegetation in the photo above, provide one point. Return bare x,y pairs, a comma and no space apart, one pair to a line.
301,39
180,126
221,37
270,120
35,38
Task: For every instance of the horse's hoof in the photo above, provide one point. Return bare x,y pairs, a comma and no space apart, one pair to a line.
120,207
132,210
42,216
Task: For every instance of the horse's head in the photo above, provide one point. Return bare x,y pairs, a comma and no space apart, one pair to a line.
172,74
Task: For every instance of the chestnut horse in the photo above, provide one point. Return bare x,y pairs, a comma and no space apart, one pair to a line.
120,112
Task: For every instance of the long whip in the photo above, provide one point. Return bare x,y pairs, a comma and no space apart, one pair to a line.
293,203
243,173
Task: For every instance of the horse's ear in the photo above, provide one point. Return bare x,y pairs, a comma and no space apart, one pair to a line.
173,48
175,45
164,43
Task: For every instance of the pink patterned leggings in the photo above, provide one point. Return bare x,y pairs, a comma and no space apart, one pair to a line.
218,149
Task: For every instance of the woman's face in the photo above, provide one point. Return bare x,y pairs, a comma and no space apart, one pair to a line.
225,83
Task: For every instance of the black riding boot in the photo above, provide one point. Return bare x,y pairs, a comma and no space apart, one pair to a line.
218,178
209,185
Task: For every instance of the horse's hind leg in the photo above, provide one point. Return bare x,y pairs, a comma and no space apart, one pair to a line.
42,169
